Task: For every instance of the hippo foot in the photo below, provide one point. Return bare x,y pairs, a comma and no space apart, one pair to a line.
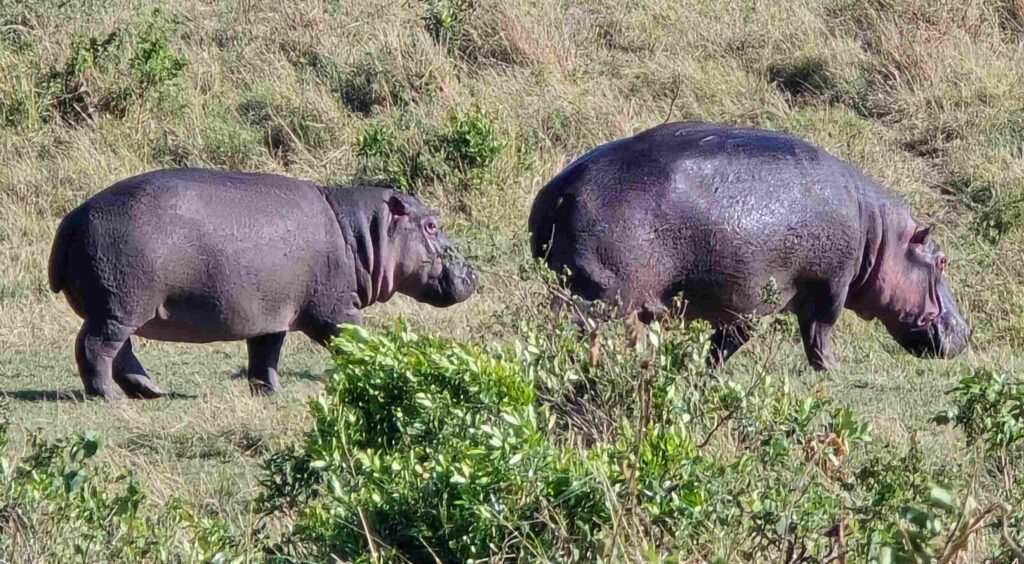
263,389
822,365
110,395
140,386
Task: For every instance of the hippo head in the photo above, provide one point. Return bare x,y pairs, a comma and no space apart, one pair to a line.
921,313
426,266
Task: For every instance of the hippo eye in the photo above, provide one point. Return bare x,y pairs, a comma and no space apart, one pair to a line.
431,227
941,262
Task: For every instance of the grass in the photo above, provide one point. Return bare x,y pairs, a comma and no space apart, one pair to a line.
927,96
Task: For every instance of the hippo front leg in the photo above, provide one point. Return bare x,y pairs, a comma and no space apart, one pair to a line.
264,353
817,309
322,330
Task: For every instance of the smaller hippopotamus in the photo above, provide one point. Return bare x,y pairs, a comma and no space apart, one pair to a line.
715,213
197,255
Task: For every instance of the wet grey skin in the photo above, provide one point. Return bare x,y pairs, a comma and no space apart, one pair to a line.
713,213
197,255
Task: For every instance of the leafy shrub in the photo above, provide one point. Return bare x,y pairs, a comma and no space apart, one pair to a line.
425,448
989,407
469,141
107,74
387,157
458,156
284,127
57,504
372,83
445,22
153,61
440,451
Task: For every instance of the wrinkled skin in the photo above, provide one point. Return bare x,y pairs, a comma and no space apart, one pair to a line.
199,255
714,213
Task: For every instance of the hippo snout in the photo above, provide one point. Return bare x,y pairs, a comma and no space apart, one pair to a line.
455,285
954,335
944,338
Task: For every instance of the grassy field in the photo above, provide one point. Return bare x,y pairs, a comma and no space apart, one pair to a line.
474,104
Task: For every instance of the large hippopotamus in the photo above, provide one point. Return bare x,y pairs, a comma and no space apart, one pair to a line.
714,213
200,255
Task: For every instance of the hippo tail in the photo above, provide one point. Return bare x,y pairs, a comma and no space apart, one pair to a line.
59,254
542,225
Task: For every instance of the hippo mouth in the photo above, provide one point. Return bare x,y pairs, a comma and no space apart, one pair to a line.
944,337
455,284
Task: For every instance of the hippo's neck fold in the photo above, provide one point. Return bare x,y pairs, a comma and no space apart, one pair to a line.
364,227
870,292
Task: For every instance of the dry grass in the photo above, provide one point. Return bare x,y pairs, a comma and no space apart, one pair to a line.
926,96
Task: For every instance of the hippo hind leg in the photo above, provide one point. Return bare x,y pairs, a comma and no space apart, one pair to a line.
264,353
96,347
131,377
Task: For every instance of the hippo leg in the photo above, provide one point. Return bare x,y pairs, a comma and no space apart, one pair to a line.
264,352
726,340
95,349
322,328
817,313
131,377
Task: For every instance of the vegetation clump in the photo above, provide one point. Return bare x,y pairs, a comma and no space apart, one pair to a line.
457,157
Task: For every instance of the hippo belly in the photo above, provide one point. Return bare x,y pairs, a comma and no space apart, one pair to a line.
196,318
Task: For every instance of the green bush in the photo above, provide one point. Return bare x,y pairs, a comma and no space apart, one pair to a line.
106,75
424,448
469,142
445,22
431,447
457,157
58,505
389,157
284,128
153,61
372,83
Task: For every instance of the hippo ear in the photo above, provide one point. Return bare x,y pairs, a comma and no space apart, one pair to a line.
397,205
920,236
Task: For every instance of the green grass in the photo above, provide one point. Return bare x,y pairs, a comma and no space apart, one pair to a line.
927,96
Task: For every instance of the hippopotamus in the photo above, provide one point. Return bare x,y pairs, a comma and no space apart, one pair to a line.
712,215
198,255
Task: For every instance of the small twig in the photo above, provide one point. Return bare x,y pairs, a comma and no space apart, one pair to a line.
430,550
949,555
672,104
369,536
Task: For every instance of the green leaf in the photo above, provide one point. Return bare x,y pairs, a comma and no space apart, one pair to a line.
940,497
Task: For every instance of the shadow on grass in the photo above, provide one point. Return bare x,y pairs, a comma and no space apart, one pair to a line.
285,375
43,395
69,395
